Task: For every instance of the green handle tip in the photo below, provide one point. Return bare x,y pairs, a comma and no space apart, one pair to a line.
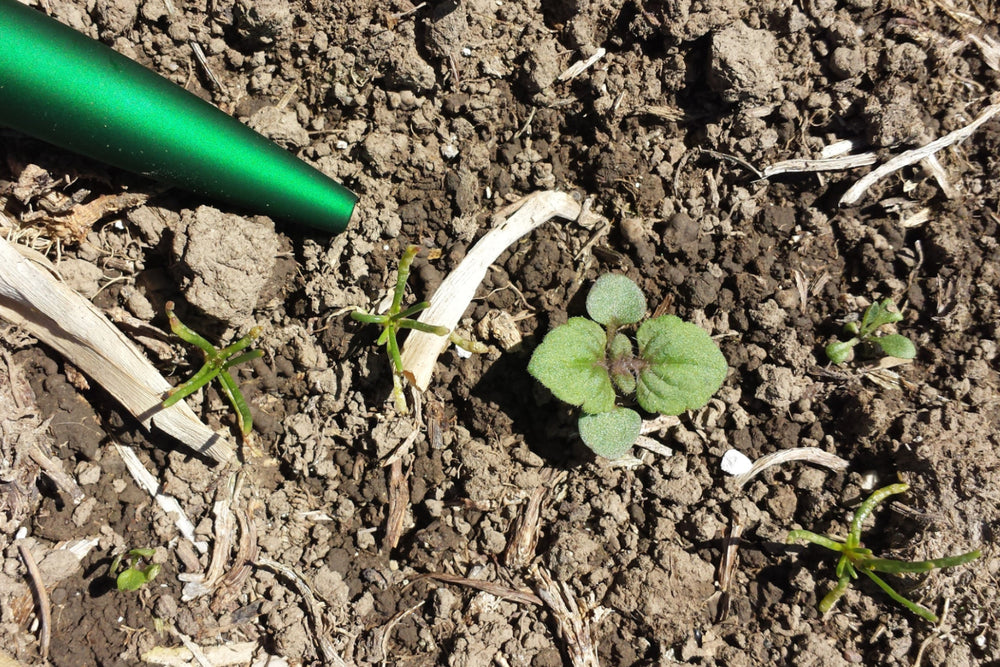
69,90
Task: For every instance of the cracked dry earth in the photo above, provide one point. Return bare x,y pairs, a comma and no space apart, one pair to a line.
480,531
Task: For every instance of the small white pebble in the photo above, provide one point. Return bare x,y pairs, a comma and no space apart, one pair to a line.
341,145
449,151
462,353
735,463
869,481
21,533
466,51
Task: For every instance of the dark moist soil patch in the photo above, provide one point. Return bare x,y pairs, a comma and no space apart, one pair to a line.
438,116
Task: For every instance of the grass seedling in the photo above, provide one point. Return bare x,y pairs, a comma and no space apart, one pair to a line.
855,558
217,365
397,318
876,316
134,576
589,362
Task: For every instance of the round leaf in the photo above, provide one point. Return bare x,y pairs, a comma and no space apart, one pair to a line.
616,297
685,366
131,579
838,351
569,362
610,434
897,345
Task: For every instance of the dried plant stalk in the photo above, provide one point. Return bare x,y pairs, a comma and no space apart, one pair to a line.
452,298
33,299
808,454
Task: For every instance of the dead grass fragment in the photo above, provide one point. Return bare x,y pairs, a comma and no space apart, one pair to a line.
858,190
573,620
41,599
453,296
813,455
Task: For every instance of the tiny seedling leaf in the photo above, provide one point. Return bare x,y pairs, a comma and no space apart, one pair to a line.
610,434
621,348
685,366
897,345
838,351
568,362
615,297
132,579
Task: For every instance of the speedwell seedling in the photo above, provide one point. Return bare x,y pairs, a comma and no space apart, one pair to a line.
134,576
217,365
876,316
854,558
590,362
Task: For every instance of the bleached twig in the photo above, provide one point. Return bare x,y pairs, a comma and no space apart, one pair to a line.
573,622
452,298
168,504
42,597
858,190
839,163
33,299
813,455
580,66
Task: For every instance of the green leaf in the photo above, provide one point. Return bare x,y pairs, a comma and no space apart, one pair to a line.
869,321
686,366
625,382
146,552
131,579
621,347
610,434
616,297
838,351
568,362
897,345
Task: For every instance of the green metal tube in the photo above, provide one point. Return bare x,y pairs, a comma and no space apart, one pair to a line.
69,90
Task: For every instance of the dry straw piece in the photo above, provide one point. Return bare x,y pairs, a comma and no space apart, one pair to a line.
33,299
452,298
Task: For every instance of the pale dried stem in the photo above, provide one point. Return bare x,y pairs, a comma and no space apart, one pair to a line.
730,558
42,599
812,455
151,485
581,66
455,293
858,190
499,590
33,299
801,165
326,649
199,584
399,501
54,470
524,537
573,624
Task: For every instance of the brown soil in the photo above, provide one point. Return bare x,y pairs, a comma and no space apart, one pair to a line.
438,116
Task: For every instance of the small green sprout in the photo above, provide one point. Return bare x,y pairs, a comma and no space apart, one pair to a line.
876,315
590,362
854,558
134,576
217,365
397,318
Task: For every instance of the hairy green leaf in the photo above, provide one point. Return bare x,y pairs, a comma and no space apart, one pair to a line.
685,366
838,351
610,434
621,348
569,362
897,345
616,297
